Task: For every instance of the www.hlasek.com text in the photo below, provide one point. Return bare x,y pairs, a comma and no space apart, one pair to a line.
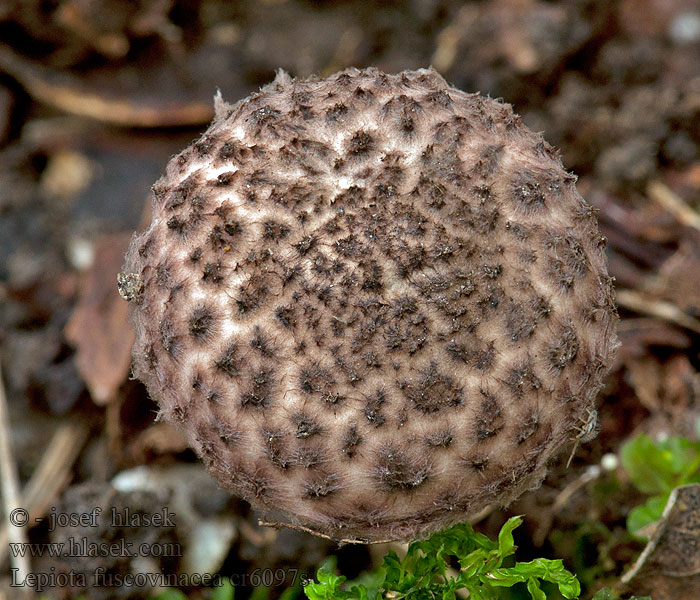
80,547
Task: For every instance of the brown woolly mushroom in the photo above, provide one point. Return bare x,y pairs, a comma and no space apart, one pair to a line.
374,303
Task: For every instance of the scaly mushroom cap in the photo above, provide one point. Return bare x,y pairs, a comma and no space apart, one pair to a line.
374,303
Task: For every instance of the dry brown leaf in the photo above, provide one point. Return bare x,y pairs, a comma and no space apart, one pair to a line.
670,391
158,439
98,327
637,335
645,376
678,276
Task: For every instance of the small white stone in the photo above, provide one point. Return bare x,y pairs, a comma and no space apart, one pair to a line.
80,253
685,28
609,462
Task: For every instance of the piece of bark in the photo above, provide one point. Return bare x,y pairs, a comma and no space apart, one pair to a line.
669,566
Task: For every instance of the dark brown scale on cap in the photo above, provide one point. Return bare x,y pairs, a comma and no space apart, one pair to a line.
388,293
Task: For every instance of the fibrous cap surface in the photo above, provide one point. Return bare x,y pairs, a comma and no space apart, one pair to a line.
373,302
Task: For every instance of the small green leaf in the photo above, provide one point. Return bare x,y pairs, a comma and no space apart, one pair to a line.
328,586
506,544
658,467
650,468
504,578
393,568
260,593
474,563
681,453
569,587
291,593
329,578
224,592
540,568
647,513
533,586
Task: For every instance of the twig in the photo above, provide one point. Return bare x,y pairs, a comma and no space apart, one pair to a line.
50,476
68,93
590,474
340,541
10,488
665,523
640,303
674,204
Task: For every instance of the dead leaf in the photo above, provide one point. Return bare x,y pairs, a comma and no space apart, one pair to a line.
669,390
637,335
98,327
158,439
678,276
645,378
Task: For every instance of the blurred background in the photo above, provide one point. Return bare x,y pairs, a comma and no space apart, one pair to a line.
96,95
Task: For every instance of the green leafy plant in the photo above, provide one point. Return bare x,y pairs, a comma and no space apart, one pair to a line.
426,572
656,468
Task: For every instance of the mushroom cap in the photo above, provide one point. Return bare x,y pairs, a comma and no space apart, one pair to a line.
374,303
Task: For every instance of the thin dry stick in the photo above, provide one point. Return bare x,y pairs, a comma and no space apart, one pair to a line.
674,204
71,95
659,530
51,475
10,488
339,541
590,474
640,303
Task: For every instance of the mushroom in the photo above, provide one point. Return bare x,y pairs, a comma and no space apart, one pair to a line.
373,303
